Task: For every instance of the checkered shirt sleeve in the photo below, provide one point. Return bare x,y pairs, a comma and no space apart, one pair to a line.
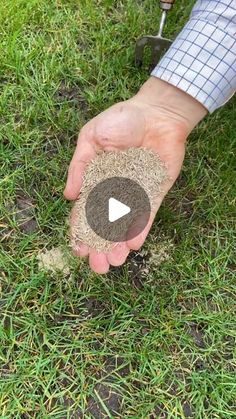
202,59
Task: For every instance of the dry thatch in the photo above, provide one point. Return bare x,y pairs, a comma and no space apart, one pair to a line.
142,165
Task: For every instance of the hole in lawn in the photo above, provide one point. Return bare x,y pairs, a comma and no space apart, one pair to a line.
114,370
137,263
74,94
24,214
187,409
200,365
196,331
104,394
159,412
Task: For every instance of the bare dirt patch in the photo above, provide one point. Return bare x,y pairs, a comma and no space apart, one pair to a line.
24,214
67,93
104,393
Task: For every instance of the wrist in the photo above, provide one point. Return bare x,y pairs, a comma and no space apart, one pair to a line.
168,98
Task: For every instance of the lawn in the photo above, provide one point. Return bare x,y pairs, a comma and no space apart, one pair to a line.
149,340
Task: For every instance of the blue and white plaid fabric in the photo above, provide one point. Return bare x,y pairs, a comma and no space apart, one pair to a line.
202,59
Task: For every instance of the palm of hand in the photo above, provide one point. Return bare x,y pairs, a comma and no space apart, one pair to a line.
127,124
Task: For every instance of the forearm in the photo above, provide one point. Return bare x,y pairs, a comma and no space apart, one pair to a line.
202,59
169,99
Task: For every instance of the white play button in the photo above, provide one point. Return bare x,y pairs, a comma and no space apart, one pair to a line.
116,210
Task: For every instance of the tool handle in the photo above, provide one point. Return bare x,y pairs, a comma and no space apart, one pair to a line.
166,4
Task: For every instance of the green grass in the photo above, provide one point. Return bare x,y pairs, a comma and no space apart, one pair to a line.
148,340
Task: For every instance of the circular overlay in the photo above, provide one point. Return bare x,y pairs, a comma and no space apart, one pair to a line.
117,209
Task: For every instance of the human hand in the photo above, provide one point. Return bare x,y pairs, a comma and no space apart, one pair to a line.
159,117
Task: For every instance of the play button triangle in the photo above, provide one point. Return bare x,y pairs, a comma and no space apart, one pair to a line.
116,210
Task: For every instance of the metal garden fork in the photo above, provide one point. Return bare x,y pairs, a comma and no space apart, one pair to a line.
158,44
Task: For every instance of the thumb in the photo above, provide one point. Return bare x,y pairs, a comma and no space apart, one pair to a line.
84,152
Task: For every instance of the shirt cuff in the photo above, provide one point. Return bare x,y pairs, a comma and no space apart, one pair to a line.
201,62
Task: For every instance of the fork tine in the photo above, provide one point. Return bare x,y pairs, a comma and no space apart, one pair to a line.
156,53
139,49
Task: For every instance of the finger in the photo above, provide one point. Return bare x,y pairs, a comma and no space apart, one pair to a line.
80,250
137,241
84,152
117,256
98,262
